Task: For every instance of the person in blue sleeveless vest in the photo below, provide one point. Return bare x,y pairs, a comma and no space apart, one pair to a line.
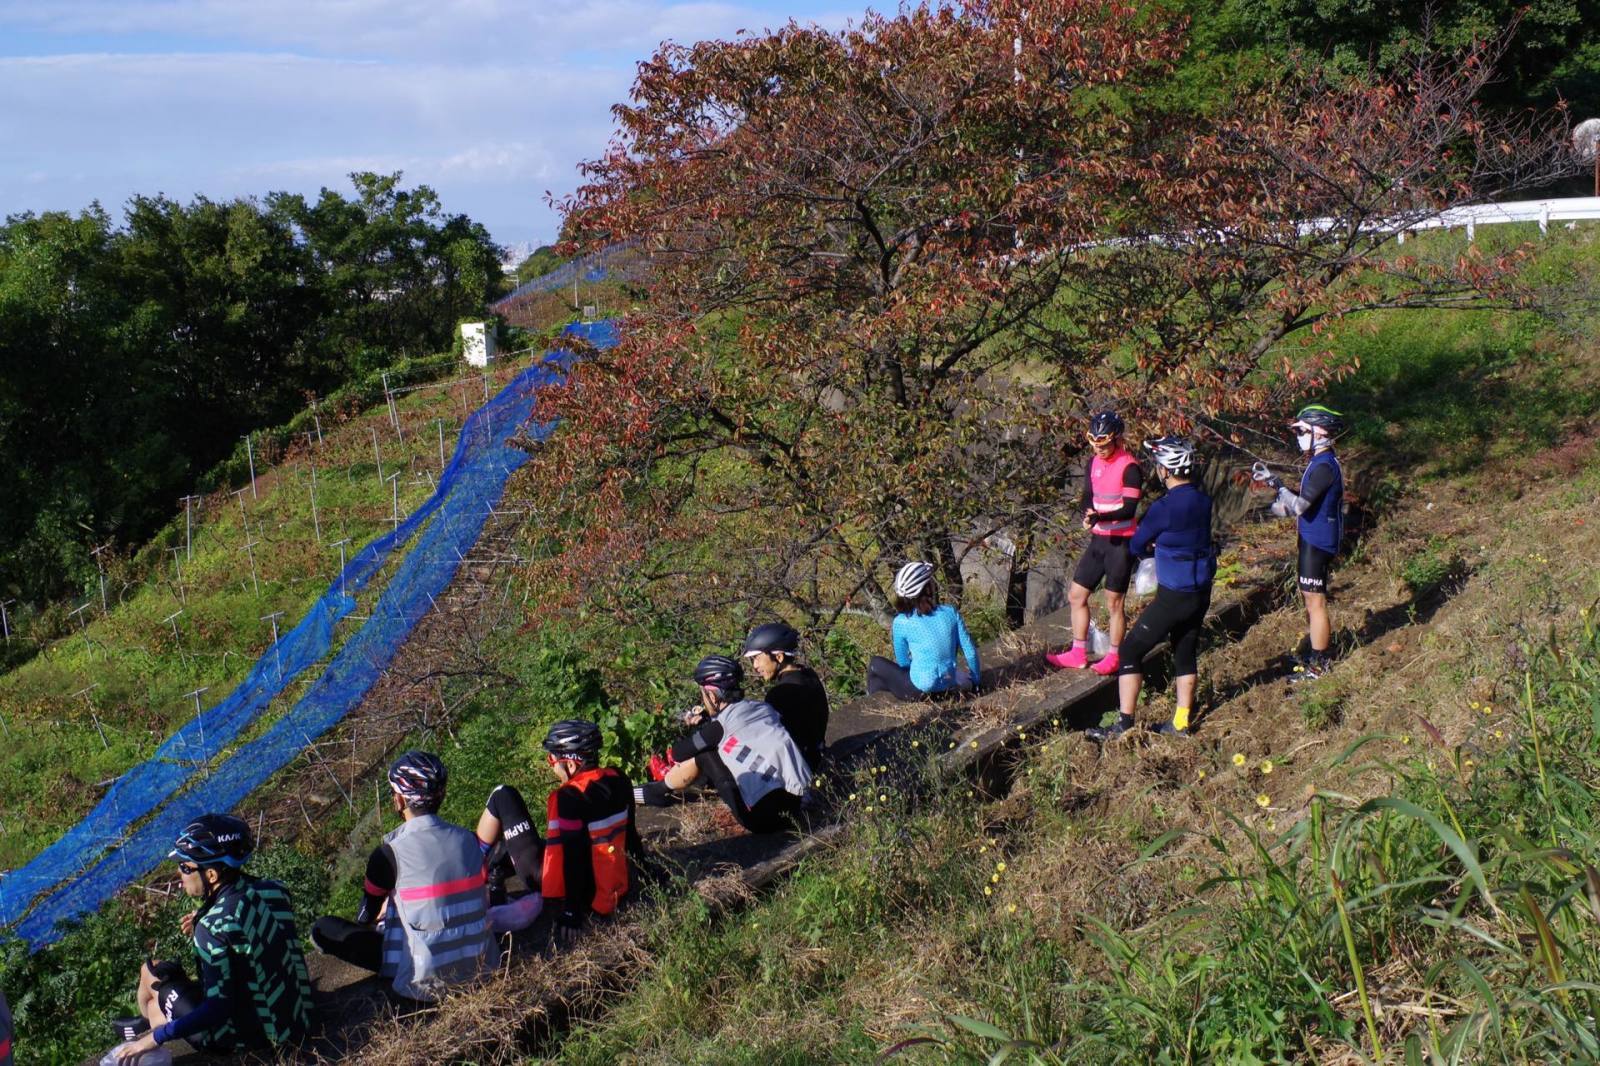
1319,509
1177,531
423,921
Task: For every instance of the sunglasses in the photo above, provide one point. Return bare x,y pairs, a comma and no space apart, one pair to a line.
1104,438
188,868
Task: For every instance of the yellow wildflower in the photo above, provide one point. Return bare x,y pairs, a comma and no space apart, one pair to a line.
1263,800
1238,758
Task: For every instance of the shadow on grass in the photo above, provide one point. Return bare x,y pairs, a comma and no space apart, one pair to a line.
1438,393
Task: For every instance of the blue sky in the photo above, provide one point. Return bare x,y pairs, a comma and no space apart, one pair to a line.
491,102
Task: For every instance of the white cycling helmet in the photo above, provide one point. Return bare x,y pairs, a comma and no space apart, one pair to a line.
912,579
1175,455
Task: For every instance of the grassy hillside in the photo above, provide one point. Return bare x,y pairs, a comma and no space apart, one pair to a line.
1397,860
63,747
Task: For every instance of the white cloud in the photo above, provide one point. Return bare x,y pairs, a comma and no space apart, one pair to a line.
492,102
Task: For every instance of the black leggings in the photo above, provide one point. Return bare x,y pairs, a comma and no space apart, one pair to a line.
886,675
1177,616
358,944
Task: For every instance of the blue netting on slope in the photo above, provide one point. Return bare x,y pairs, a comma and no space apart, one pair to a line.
468,489
596,266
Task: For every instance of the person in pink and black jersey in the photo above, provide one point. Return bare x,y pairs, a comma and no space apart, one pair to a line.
1113,483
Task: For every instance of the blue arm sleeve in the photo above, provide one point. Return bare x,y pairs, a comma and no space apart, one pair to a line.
902,647
208,1015
1152,525
968,648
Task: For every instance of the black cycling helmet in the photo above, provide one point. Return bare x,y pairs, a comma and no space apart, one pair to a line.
214,840
720,672
419,777
1105,424
1316,416
772,636
573,739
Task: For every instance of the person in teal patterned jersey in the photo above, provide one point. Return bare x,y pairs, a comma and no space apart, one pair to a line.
253,992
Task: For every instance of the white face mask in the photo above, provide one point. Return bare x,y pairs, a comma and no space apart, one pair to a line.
1304,440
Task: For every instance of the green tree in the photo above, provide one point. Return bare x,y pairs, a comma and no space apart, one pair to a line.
398,271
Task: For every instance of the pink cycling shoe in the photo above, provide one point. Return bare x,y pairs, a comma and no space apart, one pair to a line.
1107,665
1072,659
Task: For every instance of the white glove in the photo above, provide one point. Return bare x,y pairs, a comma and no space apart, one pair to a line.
1260,473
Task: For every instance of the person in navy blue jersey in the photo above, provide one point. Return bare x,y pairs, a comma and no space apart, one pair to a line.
1176,530
1318,509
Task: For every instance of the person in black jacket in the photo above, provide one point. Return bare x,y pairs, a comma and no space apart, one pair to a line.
793,689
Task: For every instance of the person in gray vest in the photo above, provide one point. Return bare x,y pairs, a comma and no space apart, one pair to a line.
423,920
740,747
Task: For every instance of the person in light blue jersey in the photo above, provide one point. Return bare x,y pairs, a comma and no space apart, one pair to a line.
927,635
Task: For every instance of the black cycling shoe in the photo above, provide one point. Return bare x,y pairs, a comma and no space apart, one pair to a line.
1169,730
1309,669
129,1029
1110,732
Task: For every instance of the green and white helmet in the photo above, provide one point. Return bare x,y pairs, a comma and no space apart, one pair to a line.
1317,417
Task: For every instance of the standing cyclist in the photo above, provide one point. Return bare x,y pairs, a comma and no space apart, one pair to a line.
1177,530
423,920
793,689
254,992
1112,485
741,749
1319,508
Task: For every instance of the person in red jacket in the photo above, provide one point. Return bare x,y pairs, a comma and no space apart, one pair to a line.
583,861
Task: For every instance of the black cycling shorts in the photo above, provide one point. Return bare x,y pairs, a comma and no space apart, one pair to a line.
1316,566
175,992
1107,558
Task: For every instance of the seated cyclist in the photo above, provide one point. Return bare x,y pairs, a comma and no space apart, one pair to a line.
741,749
581,866
253,991
793,689
927,635
423,920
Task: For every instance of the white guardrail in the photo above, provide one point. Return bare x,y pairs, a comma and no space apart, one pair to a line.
1544,212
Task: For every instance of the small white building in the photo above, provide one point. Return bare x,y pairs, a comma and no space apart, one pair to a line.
477,343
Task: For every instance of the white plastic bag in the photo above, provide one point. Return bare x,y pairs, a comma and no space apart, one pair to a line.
1144,578
1099,640
159,1057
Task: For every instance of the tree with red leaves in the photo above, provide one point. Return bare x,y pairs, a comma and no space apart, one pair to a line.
893,265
